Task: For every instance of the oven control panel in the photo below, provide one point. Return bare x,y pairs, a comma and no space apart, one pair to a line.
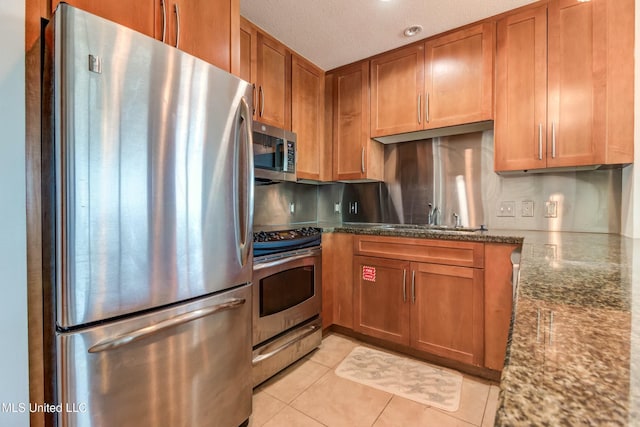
268,242
273,236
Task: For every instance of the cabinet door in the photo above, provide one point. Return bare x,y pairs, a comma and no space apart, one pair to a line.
350,121
459,77
307,110
206,29
273,76
397,82
447,311
380,298
521,91
247,50
337,280
577,82
137,15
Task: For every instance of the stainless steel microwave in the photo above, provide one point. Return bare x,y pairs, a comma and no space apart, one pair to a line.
274,153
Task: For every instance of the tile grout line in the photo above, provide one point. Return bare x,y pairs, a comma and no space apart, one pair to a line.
484,411
301,393
307,415
383,409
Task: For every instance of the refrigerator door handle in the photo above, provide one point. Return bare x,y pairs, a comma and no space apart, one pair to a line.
139,334
244,174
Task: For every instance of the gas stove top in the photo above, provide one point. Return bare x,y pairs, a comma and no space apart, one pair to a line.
269,242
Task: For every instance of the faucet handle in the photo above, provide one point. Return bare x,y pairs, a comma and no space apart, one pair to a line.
456,220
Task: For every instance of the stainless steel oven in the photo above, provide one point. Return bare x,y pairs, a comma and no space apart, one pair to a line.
287,300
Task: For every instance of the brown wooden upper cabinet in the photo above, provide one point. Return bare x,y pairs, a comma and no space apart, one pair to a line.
564,86
205,29
355,155
137,15
446,81
289,93
397,91
307,112
273,82
248,36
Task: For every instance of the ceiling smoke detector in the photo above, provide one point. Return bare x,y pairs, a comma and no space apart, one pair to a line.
412,30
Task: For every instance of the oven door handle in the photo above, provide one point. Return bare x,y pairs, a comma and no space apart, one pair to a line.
309,331
281,261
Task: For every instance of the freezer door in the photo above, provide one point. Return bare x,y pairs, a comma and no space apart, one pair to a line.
152,157
185,366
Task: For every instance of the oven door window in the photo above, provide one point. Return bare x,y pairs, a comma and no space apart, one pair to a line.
286,289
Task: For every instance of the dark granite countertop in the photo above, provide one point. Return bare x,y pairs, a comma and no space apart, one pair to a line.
573,356
574,353
426,232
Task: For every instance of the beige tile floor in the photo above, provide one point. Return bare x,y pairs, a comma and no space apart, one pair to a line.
309,393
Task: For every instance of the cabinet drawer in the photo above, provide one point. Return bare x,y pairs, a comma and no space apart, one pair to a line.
449,252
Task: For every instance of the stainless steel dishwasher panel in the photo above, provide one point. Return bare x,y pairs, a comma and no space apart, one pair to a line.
187,365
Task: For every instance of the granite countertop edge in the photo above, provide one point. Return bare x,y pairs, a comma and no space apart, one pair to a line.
476,236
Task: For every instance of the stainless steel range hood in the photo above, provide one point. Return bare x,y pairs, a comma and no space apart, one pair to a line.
435,133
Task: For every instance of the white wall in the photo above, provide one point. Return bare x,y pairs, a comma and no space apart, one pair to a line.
14,364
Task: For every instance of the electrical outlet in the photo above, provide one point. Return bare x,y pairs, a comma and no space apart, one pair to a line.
551,252
292,208
526,208
337,208
551,209
506,209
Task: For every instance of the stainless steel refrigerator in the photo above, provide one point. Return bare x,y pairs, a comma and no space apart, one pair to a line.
147,201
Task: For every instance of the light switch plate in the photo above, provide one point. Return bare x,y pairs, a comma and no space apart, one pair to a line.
526,208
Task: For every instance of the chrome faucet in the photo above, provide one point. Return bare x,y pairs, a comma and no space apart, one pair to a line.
430,215
433,215
456,220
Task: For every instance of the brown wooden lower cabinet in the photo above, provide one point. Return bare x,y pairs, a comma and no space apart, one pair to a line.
380,298
450,300
429,307
447,311
337,280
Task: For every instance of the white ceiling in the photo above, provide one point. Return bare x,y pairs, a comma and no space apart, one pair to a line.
331,33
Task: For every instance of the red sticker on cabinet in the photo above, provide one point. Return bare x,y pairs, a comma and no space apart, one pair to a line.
368,273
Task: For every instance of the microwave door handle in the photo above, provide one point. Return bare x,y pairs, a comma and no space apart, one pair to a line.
279,150
243,181
285,156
